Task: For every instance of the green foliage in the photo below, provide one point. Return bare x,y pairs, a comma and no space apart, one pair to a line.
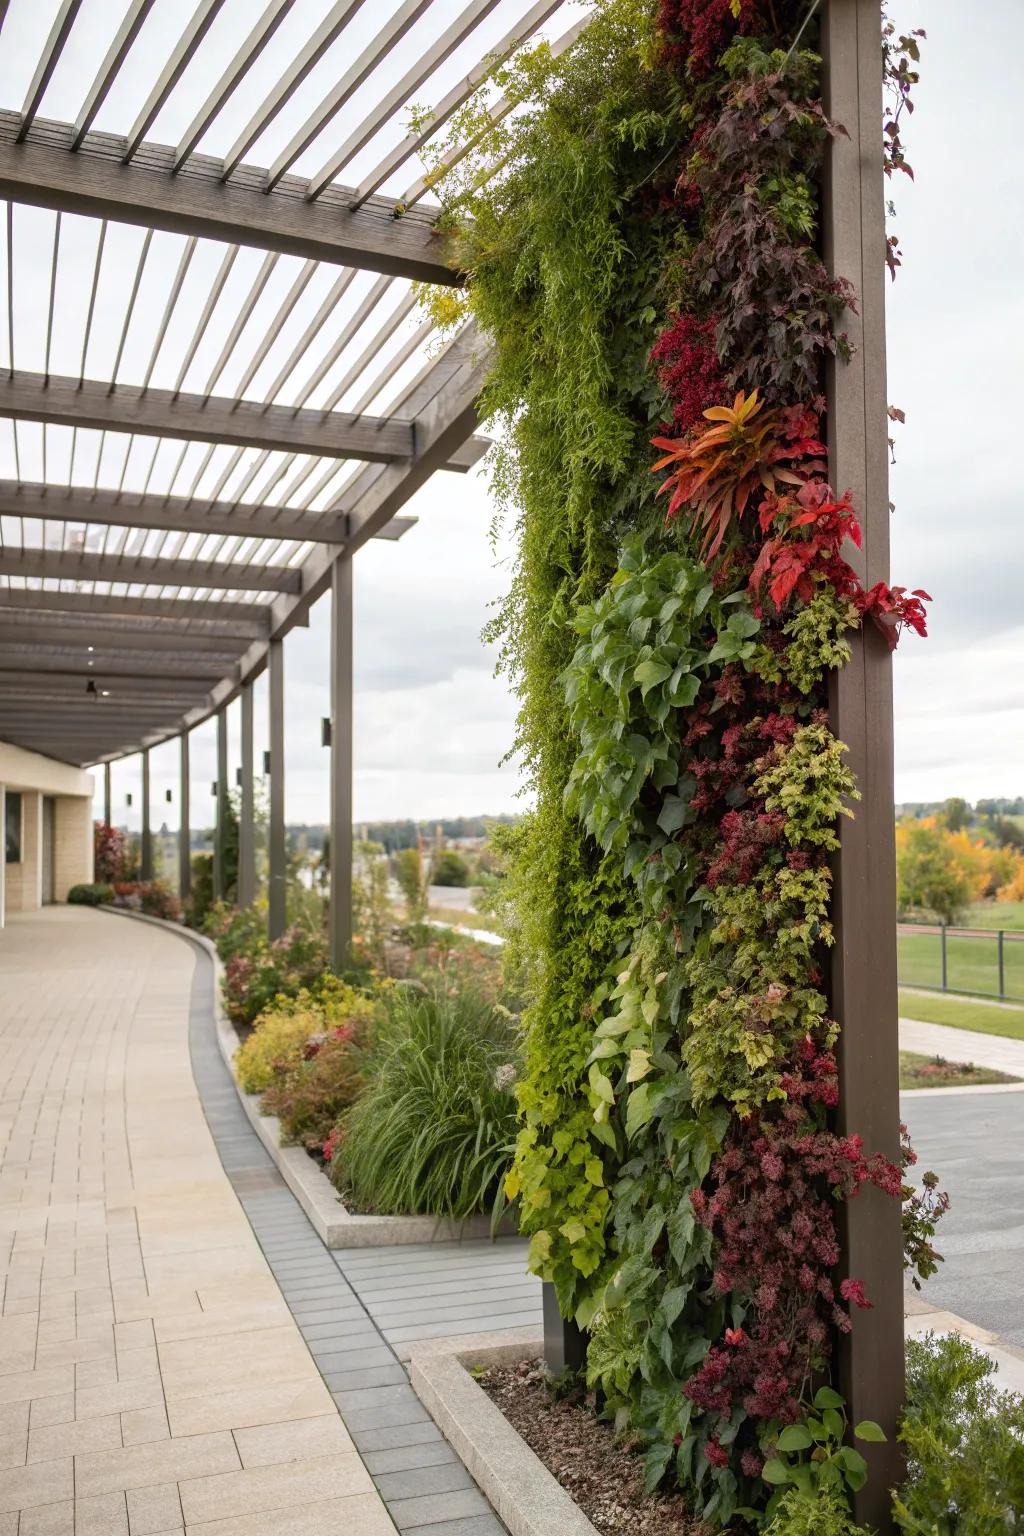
825,1513
815,638
811,1457
964,1441
449,868
282,1030
310,1095
434,1129
200,898
411,877
927,879
91,895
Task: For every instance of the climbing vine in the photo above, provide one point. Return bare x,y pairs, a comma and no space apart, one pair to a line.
645,263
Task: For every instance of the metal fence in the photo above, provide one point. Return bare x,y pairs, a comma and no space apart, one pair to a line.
988,962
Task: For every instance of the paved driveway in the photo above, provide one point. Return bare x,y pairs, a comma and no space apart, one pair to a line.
975,1142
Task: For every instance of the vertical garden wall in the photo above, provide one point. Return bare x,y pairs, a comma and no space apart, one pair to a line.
650,269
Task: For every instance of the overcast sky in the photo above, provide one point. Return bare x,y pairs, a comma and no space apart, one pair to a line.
432,722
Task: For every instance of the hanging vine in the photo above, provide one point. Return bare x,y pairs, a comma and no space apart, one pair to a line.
646,265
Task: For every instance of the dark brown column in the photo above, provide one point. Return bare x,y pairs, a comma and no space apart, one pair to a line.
864,995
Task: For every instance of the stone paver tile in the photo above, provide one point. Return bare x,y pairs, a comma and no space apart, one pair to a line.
151,1510
360,1515
52,1441
24,1385
472,1525
46,1482
432,1508
267,1444
163,1461
247,1317
132,1364
104,1514
13,1450
9,1525
53,1410
141,1425
387,1437
402,1458
197,1367
134,1335
416,1482
96,1373
273,1487
48,1520
14,1418
74,1351
241,1407
119,1397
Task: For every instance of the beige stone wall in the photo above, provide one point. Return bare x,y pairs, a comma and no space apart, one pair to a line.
72,844
24,880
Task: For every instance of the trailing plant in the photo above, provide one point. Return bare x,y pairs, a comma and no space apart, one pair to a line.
646,266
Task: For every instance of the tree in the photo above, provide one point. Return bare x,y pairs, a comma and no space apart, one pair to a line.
928,877
449,868
409,873
956,814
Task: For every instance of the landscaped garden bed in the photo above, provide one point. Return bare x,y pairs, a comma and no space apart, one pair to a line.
918,1071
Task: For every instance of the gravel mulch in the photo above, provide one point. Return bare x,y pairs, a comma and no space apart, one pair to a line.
603,1475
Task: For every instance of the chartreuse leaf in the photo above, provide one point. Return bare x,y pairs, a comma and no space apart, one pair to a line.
794,1438
867,1429
827,1397
775,1471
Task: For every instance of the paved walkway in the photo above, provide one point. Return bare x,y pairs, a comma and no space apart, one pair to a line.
152,1377
994,1051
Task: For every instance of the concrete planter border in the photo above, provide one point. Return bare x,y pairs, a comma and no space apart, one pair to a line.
524,1493
335,1226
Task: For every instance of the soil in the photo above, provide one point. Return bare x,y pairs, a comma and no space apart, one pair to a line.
604,1475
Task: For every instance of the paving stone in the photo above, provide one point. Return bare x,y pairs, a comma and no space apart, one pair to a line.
386,1437
404,1457
155,1509
416,1482
432,1508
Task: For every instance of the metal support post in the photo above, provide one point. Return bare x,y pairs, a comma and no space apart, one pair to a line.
277,852
184,830
146,861
247,812
341,763
220,827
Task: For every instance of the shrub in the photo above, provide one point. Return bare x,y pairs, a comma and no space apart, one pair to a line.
236,930
157,899
449,868
964,1441
108,853
282,1031
253,977
310,1095
824,1513
91,895
200,898
434,1131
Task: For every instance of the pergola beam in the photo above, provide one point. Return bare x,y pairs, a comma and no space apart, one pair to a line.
44,172
90,403
178,514
251,618
66,628
74,565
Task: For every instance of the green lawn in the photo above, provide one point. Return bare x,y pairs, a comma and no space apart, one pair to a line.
972,963
936,1072
996,914
983,1018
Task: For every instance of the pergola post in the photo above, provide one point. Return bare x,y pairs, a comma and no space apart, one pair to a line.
219,890
106,794
341,763
864,991
184,830
278,873
247,812
146,862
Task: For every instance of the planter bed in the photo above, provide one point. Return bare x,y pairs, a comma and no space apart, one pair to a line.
334,1225
545,1465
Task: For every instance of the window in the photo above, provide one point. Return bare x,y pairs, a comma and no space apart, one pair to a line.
12,827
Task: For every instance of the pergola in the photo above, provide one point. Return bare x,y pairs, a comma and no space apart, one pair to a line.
213,333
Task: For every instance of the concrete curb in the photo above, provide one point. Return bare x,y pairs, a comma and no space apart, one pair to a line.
334,1225
524,1493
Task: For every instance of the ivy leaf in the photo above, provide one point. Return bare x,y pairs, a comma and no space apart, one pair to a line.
639,1066
867,1429
650,673
794,1438
827,1397
672,815
573,1230
639,1109
775,1471
601,1085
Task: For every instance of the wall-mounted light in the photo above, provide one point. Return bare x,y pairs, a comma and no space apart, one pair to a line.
266,764
90,686
170,797
128,798
238,777
325,731
90,649
104,693
213,787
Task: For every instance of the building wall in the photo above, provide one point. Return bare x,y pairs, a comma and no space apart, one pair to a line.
72,844
34,776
